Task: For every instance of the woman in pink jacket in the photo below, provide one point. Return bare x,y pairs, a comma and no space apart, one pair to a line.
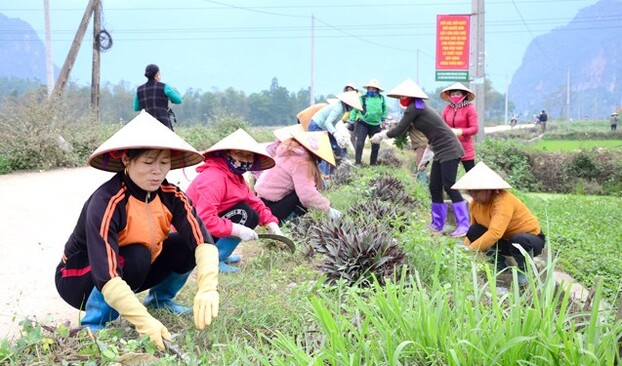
291,187
223,200
461,116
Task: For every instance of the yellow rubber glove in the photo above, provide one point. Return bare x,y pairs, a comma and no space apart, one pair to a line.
120,296
206,300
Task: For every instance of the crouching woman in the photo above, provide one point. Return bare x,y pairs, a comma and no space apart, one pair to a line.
499,220
122,243
292,186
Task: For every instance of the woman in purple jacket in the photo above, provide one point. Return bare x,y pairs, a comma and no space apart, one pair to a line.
461,116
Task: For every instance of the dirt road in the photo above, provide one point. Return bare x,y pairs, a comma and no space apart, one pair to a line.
39,211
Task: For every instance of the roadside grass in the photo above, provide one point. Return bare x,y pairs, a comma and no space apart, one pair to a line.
447,310
585,234
574,145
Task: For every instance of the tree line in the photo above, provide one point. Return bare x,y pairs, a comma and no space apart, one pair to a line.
275,106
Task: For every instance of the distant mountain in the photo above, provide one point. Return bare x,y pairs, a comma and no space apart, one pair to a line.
22,53
588,52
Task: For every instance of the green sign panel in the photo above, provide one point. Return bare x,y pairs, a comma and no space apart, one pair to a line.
452,75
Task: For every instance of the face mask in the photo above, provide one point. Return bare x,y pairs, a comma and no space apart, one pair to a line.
456,100
238,167
372,93
404,101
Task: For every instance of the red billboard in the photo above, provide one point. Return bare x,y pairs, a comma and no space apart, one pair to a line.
452,42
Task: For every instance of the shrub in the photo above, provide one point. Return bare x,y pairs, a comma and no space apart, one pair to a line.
202,137
36,133
507,157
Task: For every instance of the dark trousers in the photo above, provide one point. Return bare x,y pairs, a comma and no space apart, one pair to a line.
242,214
74,280
443,177
468,165
532,244
363,130
286,206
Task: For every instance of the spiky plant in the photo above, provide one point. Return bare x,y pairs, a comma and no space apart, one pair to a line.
388,157
396,216
387,188
343,174
358,253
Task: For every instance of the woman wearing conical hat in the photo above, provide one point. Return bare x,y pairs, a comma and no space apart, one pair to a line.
368,121
499,220
447,153
461,116
292,186
229,209
326,119
122,243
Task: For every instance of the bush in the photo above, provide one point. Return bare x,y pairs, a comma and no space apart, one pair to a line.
598,171
509,159
202,137
36,133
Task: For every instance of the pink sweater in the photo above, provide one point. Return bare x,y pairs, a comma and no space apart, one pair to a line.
464,117
291,173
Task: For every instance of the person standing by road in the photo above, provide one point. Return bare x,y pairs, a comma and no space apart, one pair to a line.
542,118
153,96
122,243
614,121
461,116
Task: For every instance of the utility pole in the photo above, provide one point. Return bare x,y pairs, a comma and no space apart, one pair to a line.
567,94
63,77
477,64
97,8
312,91
49,65
418,67
507,87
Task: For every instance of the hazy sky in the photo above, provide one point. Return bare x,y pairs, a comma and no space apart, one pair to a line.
243,44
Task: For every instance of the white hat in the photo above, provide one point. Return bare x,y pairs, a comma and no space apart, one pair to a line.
241,140
481,177
373,83
457,86
350,98
407,88
143,132
318,143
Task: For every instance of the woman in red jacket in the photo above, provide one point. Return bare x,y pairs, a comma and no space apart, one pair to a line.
461,116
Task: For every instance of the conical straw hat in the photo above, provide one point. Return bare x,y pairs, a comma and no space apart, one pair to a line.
373,83
285,133
317,143
457,86
241,140
407,88
481,177
350,98
143,132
